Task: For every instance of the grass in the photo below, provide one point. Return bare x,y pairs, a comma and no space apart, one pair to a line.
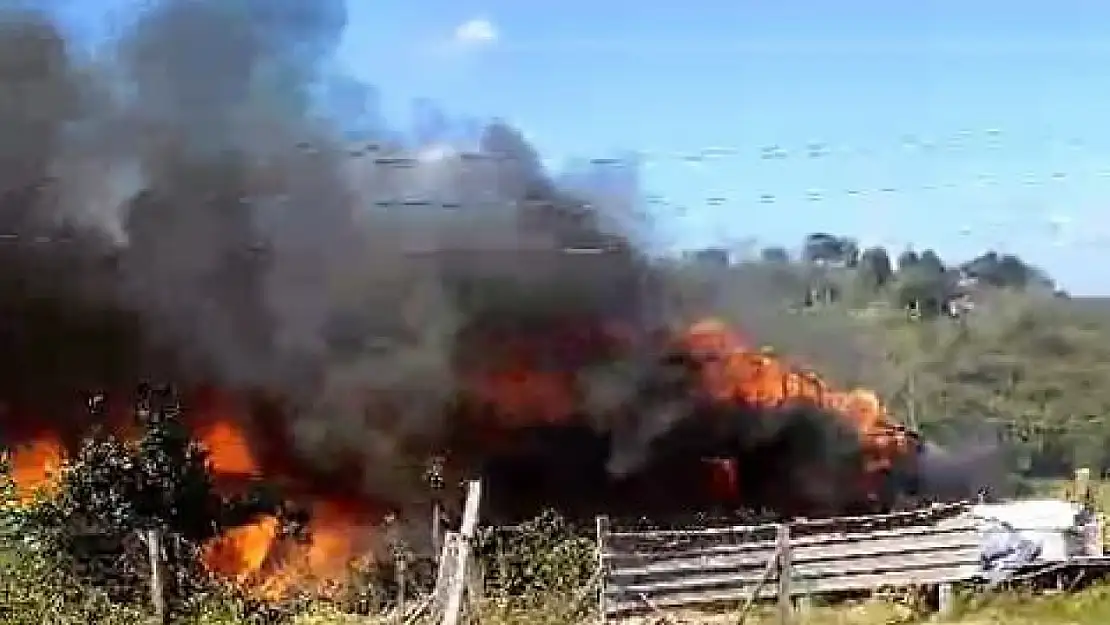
29,596
25,600
1089,607
29,605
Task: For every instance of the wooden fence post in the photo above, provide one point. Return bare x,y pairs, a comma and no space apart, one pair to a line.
453,609
1082,485
769,572
785,593
602,539
153,539
445,572
437,527
399,571
475,580
946,599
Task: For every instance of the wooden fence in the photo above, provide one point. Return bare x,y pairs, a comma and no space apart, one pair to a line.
653,571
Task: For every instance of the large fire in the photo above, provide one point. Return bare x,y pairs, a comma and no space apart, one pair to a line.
733,372
344,525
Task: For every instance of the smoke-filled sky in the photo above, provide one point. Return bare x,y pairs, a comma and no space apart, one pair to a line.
979,112
185,208
189,204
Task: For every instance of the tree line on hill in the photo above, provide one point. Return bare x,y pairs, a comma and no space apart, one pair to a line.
988,352
918,281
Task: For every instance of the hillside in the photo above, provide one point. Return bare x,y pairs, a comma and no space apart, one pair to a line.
973,353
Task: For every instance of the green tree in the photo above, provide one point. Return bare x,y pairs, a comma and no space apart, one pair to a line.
112,491
1006,271
776,255
851,252
908,258
923,289
823,248
930,262
874,271
1029,370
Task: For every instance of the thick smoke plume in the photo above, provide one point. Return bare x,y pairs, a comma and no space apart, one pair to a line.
175,209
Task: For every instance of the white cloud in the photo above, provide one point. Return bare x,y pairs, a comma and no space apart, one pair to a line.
477,31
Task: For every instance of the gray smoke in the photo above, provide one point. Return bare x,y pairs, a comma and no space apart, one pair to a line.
963,472
177,208
174,206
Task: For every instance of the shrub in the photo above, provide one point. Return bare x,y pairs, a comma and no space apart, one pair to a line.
89,534
540,558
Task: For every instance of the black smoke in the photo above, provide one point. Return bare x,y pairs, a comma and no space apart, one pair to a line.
174,207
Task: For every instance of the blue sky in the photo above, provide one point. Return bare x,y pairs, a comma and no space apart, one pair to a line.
1011,95
960,125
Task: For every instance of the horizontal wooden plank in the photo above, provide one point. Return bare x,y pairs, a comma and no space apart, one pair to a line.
897,562
882,546
620,556
628,603
810,575
679,537
620,567
932,514
730,530
695,568
635,542
944,548
805,525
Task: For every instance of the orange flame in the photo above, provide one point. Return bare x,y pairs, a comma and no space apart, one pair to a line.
734,372
240,553
34,467
260,558
257,556
228,449
273,566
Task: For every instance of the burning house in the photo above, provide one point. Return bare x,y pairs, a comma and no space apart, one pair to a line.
369,334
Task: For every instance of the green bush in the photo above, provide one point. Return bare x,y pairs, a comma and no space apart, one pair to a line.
88,536
542,557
